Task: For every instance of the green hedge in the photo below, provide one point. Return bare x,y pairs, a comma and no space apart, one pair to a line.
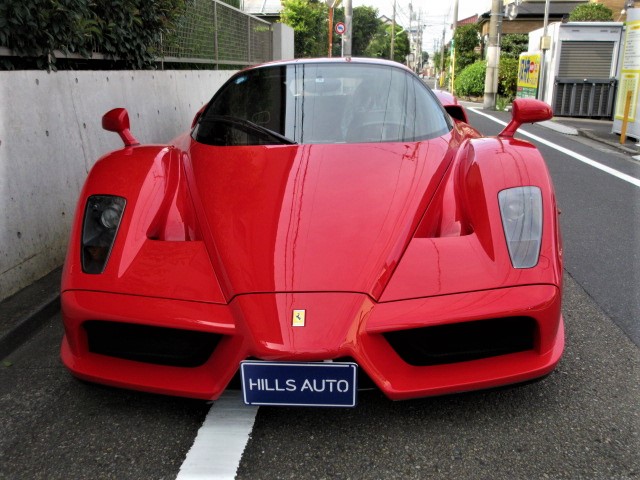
470,82
591,12
125,29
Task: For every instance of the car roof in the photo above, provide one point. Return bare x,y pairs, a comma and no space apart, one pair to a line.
350,60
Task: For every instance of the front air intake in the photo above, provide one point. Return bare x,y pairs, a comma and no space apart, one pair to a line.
462,342
156,345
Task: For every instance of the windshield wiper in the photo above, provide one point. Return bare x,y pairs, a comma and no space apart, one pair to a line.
249,127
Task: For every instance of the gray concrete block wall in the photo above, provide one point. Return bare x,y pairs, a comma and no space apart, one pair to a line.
51,135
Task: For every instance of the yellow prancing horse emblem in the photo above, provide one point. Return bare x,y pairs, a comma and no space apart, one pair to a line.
298,318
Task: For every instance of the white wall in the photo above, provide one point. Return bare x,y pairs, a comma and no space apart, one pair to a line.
50,136
283,41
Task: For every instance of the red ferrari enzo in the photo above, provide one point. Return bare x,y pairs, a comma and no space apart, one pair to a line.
324,223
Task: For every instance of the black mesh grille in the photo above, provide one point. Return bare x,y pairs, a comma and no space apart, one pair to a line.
461,342
157,345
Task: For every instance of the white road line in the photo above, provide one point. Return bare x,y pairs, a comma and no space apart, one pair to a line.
566,151
218,447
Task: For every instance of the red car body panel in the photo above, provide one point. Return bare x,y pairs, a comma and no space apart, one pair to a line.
269,225
367,238
258,326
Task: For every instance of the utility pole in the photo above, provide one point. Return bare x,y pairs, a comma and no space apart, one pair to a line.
393,31
545,44
453,45
493,56
348,21
419,44
444,30
330,29
410,35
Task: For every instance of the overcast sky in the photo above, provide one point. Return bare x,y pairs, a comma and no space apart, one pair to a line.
433,14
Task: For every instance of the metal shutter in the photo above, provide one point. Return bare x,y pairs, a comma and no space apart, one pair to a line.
585,59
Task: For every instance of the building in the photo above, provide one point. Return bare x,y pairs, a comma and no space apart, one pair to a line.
531,16
268,10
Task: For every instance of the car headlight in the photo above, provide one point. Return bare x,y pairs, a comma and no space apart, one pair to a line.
521,211
102,216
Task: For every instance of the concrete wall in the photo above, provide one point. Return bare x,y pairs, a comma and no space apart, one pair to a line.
283,42
50,136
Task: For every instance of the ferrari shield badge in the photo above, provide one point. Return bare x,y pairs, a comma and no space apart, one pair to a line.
298,318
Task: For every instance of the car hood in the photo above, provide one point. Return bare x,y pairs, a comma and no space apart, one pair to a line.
309,218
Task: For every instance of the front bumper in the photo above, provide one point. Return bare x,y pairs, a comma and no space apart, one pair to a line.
337,326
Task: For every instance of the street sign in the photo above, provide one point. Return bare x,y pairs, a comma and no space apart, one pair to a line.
340,28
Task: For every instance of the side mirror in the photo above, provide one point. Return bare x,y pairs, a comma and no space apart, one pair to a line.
458,112
117,120
526,110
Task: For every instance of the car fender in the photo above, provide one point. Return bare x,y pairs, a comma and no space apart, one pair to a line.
158,240
459,245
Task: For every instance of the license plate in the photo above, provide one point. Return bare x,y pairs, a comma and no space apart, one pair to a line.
325,384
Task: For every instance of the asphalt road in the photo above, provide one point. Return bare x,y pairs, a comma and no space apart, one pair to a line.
581,422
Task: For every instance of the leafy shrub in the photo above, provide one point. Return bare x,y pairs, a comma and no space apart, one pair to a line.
36,28
513,44
131,29
467,38
127,29
508,77
501,103
470,81
591,12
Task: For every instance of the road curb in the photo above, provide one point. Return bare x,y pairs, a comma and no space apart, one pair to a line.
588,134
559,127
24,313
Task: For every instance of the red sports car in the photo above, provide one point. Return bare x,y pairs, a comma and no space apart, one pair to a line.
325,223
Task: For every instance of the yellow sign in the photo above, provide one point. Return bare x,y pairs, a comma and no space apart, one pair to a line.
528,73
628,83
630,75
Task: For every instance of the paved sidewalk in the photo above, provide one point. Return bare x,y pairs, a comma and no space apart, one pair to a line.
598,130
24,313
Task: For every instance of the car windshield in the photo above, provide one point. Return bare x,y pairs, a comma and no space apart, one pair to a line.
309,103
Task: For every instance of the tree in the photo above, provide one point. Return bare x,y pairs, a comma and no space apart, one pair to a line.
591,12
365,26
380,45
309,21
437,57
437,62
513,44
467,39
